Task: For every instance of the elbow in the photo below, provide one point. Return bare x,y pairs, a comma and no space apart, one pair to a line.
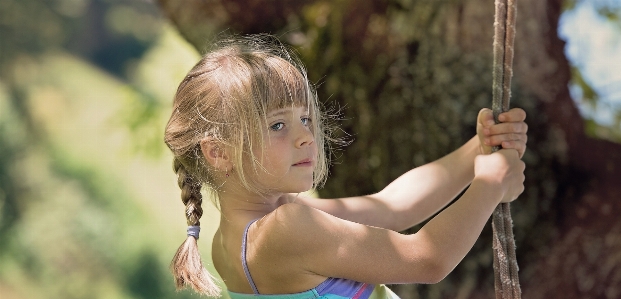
426,272
437,276
436,271
433,261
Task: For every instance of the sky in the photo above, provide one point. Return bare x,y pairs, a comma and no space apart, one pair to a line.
594,46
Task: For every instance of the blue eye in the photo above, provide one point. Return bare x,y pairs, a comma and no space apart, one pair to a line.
306,121
277,126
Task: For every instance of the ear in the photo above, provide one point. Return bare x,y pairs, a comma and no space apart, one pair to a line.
216,154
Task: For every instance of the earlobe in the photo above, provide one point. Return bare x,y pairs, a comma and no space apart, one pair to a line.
215,154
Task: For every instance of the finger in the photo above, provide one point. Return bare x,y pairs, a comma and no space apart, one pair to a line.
486,150
519,145
497,139
486,117
507,128
516,145
513,115
494,140
509,152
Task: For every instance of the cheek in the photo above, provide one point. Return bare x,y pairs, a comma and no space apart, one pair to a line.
278,155
273,155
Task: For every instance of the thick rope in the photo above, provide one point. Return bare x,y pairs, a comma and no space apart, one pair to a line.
506,279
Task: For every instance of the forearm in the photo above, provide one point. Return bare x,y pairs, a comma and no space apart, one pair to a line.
423,191
452,233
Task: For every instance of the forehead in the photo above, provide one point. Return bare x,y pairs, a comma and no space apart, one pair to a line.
285,84
279,112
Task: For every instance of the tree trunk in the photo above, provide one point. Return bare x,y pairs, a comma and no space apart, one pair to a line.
411,76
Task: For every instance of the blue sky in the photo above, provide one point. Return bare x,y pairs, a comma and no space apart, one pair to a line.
594,46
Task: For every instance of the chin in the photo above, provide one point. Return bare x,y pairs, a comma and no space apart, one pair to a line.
306,189
303,188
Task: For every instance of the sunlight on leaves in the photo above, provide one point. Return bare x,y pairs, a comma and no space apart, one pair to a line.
593,33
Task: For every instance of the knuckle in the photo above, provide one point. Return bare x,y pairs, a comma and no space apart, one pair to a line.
519,127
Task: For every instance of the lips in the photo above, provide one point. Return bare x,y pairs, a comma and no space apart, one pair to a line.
305,162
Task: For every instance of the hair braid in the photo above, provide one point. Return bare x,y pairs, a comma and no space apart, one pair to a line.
186,266
190,194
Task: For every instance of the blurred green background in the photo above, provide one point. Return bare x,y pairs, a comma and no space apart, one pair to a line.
89,207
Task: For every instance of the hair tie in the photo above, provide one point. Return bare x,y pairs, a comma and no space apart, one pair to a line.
194,231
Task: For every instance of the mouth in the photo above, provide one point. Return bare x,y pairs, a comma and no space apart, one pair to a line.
305,162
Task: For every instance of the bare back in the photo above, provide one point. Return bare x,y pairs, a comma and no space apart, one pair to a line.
273,269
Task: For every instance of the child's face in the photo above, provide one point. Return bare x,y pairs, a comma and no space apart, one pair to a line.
289,155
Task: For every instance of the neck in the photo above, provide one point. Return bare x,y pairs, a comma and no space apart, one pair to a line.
238,205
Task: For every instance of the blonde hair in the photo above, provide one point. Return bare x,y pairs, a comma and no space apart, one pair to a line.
225,98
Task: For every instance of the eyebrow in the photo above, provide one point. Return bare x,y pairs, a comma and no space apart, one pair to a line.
277,113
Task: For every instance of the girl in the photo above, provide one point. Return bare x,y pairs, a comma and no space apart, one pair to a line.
246,123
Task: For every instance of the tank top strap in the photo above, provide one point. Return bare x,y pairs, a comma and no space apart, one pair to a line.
243,258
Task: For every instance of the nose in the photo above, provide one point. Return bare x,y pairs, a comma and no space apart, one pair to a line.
305,137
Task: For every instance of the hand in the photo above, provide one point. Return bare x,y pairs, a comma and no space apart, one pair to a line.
503,169
510,133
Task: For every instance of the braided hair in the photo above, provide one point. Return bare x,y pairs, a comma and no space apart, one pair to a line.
186,265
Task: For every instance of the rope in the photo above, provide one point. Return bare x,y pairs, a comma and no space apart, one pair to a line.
506,279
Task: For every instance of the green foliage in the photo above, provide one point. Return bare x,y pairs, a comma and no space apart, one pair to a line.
569,4
610,13
589,97
11,187
88,201
72,226
32,27
110,33
612,133
141,115
597,101
611,10
589,94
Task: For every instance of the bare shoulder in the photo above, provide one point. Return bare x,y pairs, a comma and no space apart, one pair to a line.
299,232
277,253
291,221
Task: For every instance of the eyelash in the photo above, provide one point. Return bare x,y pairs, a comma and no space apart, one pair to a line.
306,121
274,126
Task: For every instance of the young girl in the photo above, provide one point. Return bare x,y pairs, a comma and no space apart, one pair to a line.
246,123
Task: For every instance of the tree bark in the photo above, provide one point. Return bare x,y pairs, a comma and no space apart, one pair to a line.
411,76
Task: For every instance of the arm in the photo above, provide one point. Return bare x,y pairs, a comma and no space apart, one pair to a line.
423,191
332,247
412,197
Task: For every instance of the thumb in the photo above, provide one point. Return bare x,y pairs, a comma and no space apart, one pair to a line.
486,117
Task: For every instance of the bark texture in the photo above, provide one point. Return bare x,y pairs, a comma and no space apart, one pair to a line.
411,76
